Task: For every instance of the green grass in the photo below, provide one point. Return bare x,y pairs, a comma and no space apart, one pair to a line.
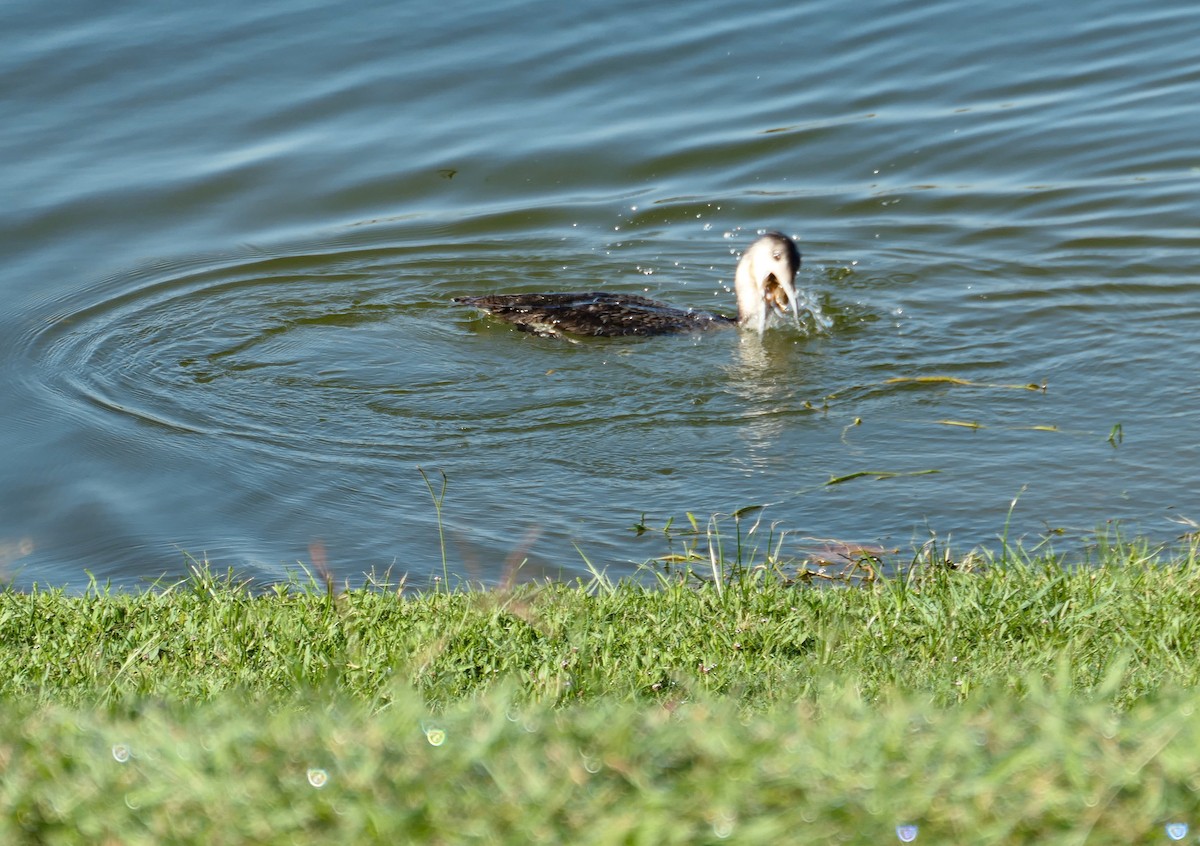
1017,702
1042,769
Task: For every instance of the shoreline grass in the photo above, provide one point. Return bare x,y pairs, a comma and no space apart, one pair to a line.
1020,702
937,628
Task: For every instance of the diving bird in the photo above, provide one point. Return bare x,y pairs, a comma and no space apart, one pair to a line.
764,284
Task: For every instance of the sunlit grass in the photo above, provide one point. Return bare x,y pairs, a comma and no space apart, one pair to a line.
1047,767
939,627
1002,700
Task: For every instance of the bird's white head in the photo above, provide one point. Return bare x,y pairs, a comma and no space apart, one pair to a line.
765,282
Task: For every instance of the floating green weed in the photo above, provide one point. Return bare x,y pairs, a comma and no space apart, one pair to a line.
878,474
919,381
953,380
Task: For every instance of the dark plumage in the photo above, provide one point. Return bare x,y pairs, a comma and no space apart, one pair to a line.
594,313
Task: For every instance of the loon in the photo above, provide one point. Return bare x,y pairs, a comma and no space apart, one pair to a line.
764,284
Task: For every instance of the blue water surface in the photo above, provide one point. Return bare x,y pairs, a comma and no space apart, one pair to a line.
232,235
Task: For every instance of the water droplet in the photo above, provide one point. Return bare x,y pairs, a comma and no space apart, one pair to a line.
1177,830
435,735
722,825
906,833
121,753
317,777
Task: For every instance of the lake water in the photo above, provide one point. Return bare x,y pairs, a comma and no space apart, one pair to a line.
231,235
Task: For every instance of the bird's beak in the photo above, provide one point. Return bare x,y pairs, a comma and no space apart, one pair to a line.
779,295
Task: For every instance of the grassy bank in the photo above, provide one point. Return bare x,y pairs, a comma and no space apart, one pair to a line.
1021,702
1043,769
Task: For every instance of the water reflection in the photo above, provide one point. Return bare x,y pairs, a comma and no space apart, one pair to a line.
765,376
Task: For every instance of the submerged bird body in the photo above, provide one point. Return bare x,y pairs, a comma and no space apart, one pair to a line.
764,285
595,313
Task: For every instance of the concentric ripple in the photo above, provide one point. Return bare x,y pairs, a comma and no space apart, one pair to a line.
290,352
351,353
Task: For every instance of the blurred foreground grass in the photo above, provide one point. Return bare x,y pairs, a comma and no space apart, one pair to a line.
1024,702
